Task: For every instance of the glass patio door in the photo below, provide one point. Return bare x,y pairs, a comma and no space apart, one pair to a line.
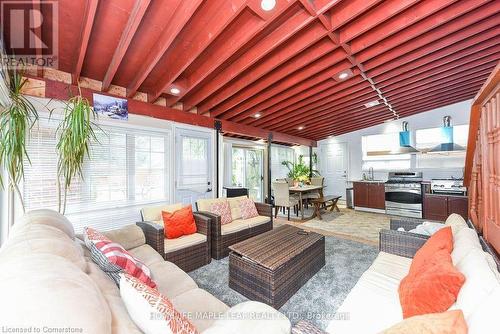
248,171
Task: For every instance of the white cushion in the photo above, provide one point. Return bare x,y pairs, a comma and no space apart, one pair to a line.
480,281
172,245
130,236
255,221
250,318
171,280
427,228
200,307
373,304
456,222
234,226
484,320
464,241
153,213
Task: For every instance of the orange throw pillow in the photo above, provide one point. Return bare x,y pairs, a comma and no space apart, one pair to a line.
179,223
441,240
451,322
433,288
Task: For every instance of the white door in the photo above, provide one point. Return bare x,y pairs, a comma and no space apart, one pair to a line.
334,166
193,154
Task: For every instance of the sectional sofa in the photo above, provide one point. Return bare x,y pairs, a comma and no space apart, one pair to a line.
48,281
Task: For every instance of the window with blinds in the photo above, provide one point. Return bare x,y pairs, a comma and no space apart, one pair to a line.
127,170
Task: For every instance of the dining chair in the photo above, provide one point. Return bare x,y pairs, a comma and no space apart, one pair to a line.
282,198
315,181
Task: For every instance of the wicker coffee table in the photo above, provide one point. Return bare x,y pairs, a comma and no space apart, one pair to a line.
273,266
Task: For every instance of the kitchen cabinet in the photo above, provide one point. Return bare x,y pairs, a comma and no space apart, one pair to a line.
369,195
439,207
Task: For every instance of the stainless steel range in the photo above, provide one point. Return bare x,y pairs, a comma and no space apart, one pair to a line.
403,194
448,187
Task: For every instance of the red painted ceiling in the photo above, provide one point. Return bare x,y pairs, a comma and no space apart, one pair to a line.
232,60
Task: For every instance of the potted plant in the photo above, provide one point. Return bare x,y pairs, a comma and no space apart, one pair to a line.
17,118
76,136
299,171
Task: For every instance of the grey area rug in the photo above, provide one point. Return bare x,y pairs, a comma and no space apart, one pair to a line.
318,300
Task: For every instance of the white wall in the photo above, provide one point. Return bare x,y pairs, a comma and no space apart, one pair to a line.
459,113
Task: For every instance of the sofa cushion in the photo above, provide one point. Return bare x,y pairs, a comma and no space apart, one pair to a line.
130,236
43,290
204,203
432,288
234,226
234,204
152,312
252,317
256,221
361,311
464,241
456,222
172,245
248,209
484,320
112,258
451,322
43,239
153,213
171,280
178,223
223,210
200,307
146,254
121,323
45,217
480,281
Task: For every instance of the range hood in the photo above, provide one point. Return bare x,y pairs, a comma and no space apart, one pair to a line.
448,144
404,147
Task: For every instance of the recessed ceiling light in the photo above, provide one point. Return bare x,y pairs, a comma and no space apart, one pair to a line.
268,5
372,104
343,75
300,128
175,90
257,115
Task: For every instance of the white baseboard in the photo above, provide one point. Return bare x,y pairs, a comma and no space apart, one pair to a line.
359,208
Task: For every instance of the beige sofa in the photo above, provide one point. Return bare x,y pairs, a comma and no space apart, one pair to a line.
223,236
373,304
47,280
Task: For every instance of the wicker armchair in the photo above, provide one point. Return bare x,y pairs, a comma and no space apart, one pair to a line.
188,258
220,242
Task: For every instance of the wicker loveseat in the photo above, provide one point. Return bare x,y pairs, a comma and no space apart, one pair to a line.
189,252
223,236
373,304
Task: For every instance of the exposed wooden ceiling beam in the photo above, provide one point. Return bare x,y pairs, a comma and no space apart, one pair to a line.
133,23
183,13
88,22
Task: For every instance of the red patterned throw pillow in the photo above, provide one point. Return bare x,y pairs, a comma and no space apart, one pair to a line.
248,209
222,209
113,259
152,312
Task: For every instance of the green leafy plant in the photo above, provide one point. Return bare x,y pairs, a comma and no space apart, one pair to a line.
299,171
16,121
76,135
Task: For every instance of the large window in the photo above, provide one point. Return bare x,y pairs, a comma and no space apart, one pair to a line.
374,147
278,155
127,170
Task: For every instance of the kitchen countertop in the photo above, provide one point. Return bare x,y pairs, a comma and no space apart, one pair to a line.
368,181
447,195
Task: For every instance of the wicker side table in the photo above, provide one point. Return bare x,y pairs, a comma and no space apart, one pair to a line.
273,266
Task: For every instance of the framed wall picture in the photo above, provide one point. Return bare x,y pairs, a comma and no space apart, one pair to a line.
111,107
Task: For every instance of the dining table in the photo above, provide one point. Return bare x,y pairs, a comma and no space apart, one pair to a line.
304,189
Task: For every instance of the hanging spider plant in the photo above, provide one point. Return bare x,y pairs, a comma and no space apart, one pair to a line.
76,135
16,120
